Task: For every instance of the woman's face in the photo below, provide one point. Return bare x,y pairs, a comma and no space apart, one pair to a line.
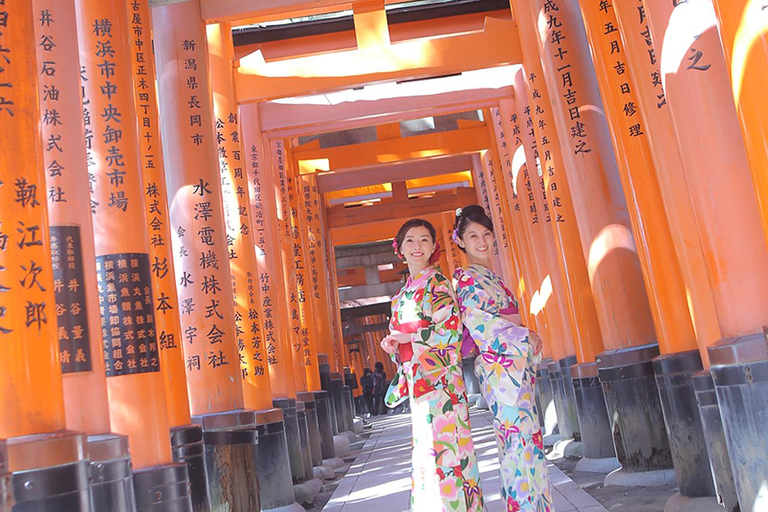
477,241
417,247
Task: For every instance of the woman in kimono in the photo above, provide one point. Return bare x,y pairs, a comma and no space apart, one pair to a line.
505,366
424,340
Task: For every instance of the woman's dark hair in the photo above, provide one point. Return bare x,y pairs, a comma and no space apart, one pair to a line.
413,223
471,213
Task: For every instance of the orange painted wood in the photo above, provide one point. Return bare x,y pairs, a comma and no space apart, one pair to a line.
643,65
606,238
653,237
135,384
197,218
715,163
164,276
341,354
257,391
31,394
66,187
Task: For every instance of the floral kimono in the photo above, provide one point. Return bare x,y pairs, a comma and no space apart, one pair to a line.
445,475
506,369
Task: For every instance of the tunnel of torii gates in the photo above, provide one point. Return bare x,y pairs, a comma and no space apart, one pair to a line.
198,198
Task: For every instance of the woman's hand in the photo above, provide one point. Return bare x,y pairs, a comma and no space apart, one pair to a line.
535,341
395,338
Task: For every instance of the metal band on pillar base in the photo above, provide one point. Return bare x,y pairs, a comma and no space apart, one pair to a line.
231,441
684,429
324,423
111,474
315,443
545,402
325,382
293,437
637,421
6,484
740,371
596,436
188,448
306,450
570,397
558,394
50,472
274,466
714,435
162,489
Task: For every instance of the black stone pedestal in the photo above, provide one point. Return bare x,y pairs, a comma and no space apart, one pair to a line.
350,379
231,442
293,437
349,408
545,398
569,394
6,483
315,448
683,422
714,436
337,395
470,379
164,489
323,406
111,473
740,370
272,462
561,401
596,438
634,408
325,383
306,451
187,447
62,484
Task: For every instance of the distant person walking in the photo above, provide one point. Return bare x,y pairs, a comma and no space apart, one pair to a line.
366,381
380,386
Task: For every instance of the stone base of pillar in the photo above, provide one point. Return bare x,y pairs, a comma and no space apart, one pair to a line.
680,503
306,450
187,447
342,445
470,379
714,435
334,463
740,372
606,465
293,437
273,463
349,408
545,400
624,478
62,484
550,440
634,408
315,445
231,441
566,448
339,405
683,421
111,475
323,407
306,491
569,394
560,400
596,435
6,480
323,472
325,383
163,489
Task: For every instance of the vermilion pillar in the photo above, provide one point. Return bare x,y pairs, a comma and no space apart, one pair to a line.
124,275
451,249
693,73
340,352
66,189
169,334
743,27
241,256
31,390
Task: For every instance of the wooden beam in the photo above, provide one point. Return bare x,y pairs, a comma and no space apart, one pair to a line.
382,308
384,229
217,11
353,330
339,216
497,45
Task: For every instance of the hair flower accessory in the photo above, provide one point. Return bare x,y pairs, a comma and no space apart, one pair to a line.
435,257
459,211
455,236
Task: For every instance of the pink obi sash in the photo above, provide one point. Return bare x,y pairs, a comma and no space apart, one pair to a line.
405,350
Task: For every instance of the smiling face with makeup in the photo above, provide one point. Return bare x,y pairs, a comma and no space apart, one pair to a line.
477,240
417,247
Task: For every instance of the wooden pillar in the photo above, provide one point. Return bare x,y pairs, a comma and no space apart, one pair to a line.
31,391
743,27
606,237
340,352
451,249
483,188
661,269
66,188
135,384
269,265
168,326
257,391
197,217
643,57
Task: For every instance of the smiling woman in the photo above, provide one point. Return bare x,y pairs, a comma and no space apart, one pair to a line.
425,333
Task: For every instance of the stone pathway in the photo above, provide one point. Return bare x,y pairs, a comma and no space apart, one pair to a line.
379,479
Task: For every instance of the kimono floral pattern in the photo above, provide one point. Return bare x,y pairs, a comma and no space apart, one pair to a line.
505,368
445,475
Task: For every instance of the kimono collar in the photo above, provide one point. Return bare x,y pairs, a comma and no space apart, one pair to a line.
424,272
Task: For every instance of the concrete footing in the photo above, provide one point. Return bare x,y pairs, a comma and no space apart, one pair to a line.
624,478
293,437
306,449
596,435
334,463
325,382
551,439
273,462
342,445
606,465
481,403
339,403
306,491
231,444
559,397
566,448
569,394
545,400
739,369
323,472
357,426
680,503
110,473
315,443
349,407
187,448
323,407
